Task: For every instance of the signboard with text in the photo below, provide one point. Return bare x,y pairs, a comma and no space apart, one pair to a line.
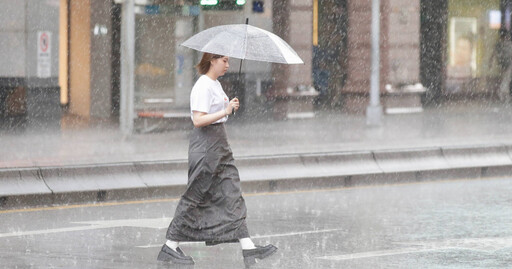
44,54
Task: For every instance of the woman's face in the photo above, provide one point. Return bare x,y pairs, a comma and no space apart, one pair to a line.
220,65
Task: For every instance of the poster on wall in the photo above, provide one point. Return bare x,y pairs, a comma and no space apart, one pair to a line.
462,52
44,54
494,19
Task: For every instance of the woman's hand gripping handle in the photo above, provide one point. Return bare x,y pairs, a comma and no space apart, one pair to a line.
233,106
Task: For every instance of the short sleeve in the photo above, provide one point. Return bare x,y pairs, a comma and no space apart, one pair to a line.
200,99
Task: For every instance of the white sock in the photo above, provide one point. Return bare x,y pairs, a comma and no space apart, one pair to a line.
247,243
172,244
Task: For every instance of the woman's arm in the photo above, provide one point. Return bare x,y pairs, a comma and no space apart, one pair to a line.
201,119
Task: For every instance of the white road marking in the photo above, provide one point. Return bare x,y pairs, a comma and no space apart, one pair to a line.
159,223
371,254
49,231
140,223
262,236
485,244
489,244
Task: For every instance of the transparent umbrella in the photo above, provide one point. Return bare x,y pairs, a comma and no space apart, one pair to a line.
244,42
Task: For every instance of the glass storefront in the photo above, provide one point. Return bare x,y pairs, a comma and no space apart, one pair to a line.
473,32
163,69
331,52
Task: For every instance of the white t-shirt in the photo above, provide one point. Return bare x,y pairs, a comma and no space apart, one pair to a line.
208,96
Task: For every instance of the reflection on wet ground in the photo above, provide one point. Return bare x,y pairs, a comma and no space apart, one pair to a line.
452,224
329,131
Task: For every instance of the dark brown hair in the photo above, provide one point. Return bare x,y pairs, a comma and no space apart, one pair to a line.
204,65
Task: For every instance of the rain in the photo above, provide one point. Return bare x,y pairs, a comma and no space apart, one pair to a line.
378,138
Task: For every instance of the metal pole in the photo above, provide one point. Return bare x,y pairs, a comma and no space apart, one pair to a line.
126,113
239,82
374,110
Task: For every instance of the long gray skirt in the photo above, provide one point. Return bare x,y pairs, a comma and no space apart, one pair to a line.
212,208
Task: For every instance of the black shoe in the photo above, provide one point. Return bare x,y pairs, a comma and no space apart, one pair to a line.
168,254
259,252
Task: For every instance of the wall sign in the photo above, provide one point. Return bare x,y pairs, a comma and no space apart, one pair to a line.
44,54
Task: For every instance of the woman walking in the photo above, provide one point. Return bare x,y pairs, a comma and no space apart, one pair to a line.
212,208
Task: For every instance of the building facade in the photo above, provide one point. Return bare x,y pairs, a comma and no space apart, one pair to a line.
66,53
29,73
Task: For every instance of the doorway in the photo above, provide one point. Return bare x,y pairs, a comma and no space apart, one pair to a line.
330,53
433,37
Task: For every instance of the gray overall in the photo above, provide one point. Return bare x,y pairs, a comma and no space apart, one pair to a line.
212,208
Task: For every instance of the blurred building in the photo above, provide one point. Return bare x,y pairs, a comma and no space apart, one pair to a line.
447,45
458,48
29,73
64,55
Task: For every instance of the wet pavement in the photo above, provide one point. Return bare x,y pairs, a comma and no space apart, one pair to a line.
444,224
330,131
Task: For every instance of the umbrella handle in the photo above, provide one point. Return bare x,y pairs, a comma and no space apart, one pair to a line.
240,69
233,109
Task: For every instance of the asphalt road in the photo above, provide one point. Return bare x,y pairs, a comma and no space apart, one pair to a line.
451,224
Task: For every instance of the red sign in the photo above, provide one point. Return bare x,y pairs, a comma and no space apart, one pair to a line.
44,54
44,42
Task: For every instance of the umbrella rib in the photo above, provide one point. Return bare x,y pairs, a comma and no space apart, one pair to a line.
282,46
245,40
250,47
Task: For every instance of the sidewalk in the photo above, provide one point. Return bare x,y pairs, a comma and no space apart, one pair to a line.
466,141
458,125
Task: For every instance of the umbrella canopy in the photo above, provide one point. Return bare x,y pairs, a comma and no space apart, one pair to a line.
244,42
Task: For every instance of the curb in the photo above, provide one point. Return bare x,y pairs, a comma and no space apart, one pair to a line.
142,180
